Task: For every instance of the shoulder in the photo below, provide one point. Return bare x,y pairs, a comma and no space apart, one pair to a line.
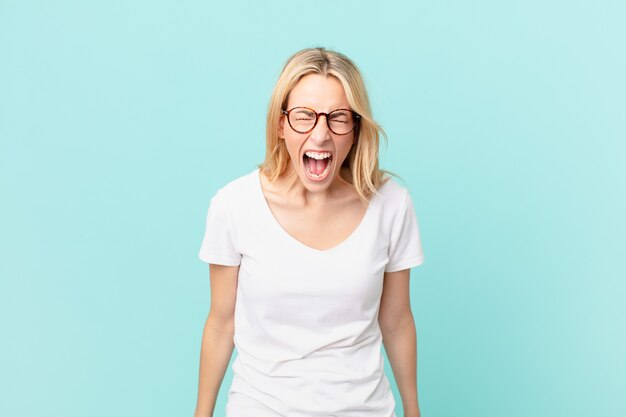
238,190
392,193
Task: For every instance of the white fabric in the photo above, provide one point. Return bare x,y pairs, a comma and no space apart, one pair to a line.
306,321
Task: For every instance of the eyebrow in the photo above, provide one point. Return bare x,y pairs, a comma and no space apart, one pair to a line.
344,109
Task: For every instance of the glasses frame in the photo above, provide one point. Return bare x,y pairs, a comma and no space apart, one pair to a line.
357,118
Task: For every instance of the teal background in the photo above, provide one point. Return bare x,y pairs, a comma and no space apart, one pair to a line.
119,121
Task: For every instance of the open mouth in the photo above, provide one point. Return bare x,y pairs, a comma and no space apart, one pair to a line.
317,165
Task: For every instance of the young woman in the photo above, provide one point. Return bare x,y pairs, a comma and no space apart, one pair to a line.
309,257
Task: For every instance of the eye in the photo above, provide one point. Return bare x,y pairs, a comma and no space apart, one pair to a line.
340,116
304,115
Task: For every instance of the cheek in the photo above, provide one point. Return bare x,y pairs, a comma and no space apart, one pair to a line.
292,146
345,150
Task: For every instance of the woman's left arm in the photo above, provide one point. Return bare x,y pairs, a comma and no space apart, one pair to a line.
399,337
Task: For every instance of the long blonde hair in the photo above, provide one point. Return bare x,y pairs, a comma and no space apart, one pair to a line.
362,159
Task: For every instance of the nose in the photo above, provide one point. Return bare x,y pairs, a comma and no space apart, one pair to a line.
321,132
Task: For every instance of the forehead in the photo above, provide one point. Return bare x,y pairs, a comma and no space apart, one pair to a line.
321,93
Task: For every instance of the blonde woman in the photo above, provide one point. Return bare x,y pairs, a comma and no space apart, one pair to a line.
309,257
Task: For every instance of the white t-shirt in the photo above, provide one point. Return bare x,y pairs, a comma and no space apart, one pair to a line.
306,320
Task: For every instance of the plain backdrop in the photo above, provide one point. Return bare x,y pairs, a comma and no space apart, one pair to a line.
120,119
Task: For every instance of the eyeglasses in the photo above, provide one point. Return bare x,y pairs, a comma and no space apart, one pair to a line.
304,120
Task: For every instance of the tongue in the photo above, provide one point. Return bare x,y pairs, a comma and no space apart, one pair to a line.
317,166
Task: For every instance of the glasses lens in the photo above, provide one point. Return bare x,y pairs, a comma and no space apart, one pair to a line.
341,121
301,119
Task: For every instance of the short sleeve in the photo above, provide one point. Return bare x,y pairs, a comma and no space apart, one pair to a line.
405,246
218,245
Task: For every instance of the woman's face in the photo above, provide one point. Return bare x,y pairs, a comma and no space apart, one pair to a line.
321,94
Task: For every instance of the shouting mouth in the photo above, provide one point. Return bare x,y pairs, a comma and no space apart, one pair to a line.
317,164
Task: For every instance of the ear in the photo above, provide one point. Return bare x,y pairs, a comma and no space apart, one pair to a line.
281,127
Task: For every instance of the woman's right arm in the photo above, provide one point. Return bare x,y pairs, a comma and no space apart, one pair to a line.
217,338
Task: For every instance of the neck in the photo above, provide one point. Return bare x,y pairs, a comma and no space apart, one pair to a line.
292,187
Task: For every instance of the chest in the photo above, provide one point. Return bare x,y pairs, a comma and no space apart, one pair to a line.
319,260
320,229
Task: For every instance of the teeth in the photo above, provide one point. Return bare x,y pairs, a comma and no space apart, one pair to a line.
323,174
317,155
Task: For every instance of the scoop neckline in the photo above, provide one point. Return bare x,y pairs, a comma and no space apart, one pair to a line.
289,237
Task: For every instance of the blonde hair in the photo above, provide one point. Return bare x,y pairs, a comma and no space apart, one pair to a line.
362,159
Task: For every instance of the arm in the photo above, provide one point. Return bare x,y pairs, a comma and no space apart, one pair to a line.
217,338
399,337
